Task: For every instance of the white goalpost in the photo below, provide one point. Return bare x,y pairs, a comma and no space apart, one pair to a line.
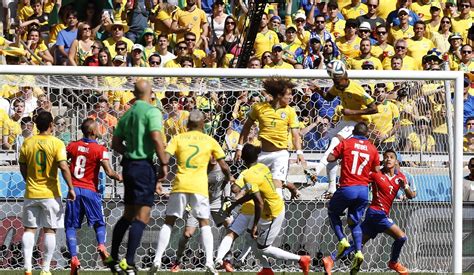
76,80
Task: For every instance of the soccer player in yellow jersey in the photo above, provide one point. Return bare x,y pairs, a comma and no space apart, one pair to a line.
275,118
256,184
193,150
40,157
357,105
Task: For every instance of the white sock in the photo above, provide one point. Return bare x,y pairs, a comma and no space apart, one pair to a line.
163,240
332,174
248,245
28,242
208,243
278,253
224,247
49,247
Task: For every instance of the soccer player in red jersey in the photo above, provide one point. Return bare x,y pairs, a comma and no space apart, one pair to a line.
385,186
87,156
358,158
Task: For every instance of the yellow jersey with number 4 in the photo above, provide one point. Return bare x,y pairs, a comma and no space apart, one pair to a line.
193,151
354,97
41,154
274,124
258,178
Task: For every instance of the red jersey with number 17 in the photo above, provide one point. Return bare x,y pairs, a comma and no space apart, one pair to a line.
86,157
385,189
358,157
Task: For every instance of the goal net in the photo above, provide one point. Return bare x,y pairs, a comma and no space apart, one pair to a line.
422,101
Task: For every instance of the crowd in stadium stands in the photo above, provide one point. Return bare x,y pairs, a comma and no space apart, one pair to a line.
300,34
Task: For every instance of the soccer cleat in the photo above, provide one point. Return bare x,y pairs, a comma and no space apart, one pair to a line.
398,267
114,266
175,267
305,262
131,270
227,266
328,263
75,265
153,269
210,269
341,247
102,252
45,272
357,262
266,271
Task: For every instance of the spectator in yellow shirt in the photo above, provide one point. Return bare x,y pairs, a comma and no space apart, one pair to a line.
418,45
334,24
463,22
349,44
403,30
265,39
354,10
117,30
454,53
382,49
401,49
365,48
466,64
191,19
277,58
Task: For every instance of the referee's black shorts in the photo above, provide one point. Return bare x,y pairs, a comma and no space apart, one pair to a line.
139,178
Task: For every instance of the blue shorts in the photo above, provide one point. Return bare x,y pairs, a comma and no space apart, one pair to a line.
88,203
375,222
139,179
353,198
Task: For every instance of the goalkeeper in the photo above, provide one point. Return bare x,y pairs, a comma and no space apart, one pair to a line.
385,186
219,193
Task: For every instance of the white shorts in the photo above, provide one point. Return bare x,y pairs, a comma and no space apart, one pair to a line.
177,205
47,213
241,223
343,128
277,162
7,2
268,230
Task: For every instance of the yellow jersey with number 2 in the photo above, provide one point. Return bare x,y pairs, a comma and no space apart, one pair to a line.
258,178
41,154
193,151
274,124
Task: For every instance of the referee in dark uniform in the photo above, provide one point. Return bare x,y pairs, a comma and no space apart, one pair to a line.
137,137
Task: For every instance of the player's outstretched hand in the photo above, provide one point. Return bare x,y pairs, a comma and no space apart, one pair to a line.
71,195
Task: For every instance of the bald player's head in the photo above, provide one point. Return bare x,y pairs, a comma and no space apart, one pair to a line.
196,120
142,90
89,128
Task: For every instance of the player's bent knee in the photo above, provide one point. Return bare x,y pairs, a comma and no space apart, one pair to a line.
402,240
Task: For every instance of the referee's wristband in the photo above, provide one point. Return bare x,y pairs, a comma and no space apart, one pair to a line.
240,147
299,152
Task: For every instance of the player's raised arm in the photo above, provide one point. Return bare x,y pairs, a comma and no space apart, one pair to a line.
406,188
226,170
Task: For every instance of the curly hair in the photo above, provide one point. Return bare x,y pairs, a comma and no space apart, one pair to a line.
277,86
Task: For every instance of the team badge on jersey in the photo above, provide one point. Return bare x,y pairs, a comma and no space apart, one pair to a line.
283,115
